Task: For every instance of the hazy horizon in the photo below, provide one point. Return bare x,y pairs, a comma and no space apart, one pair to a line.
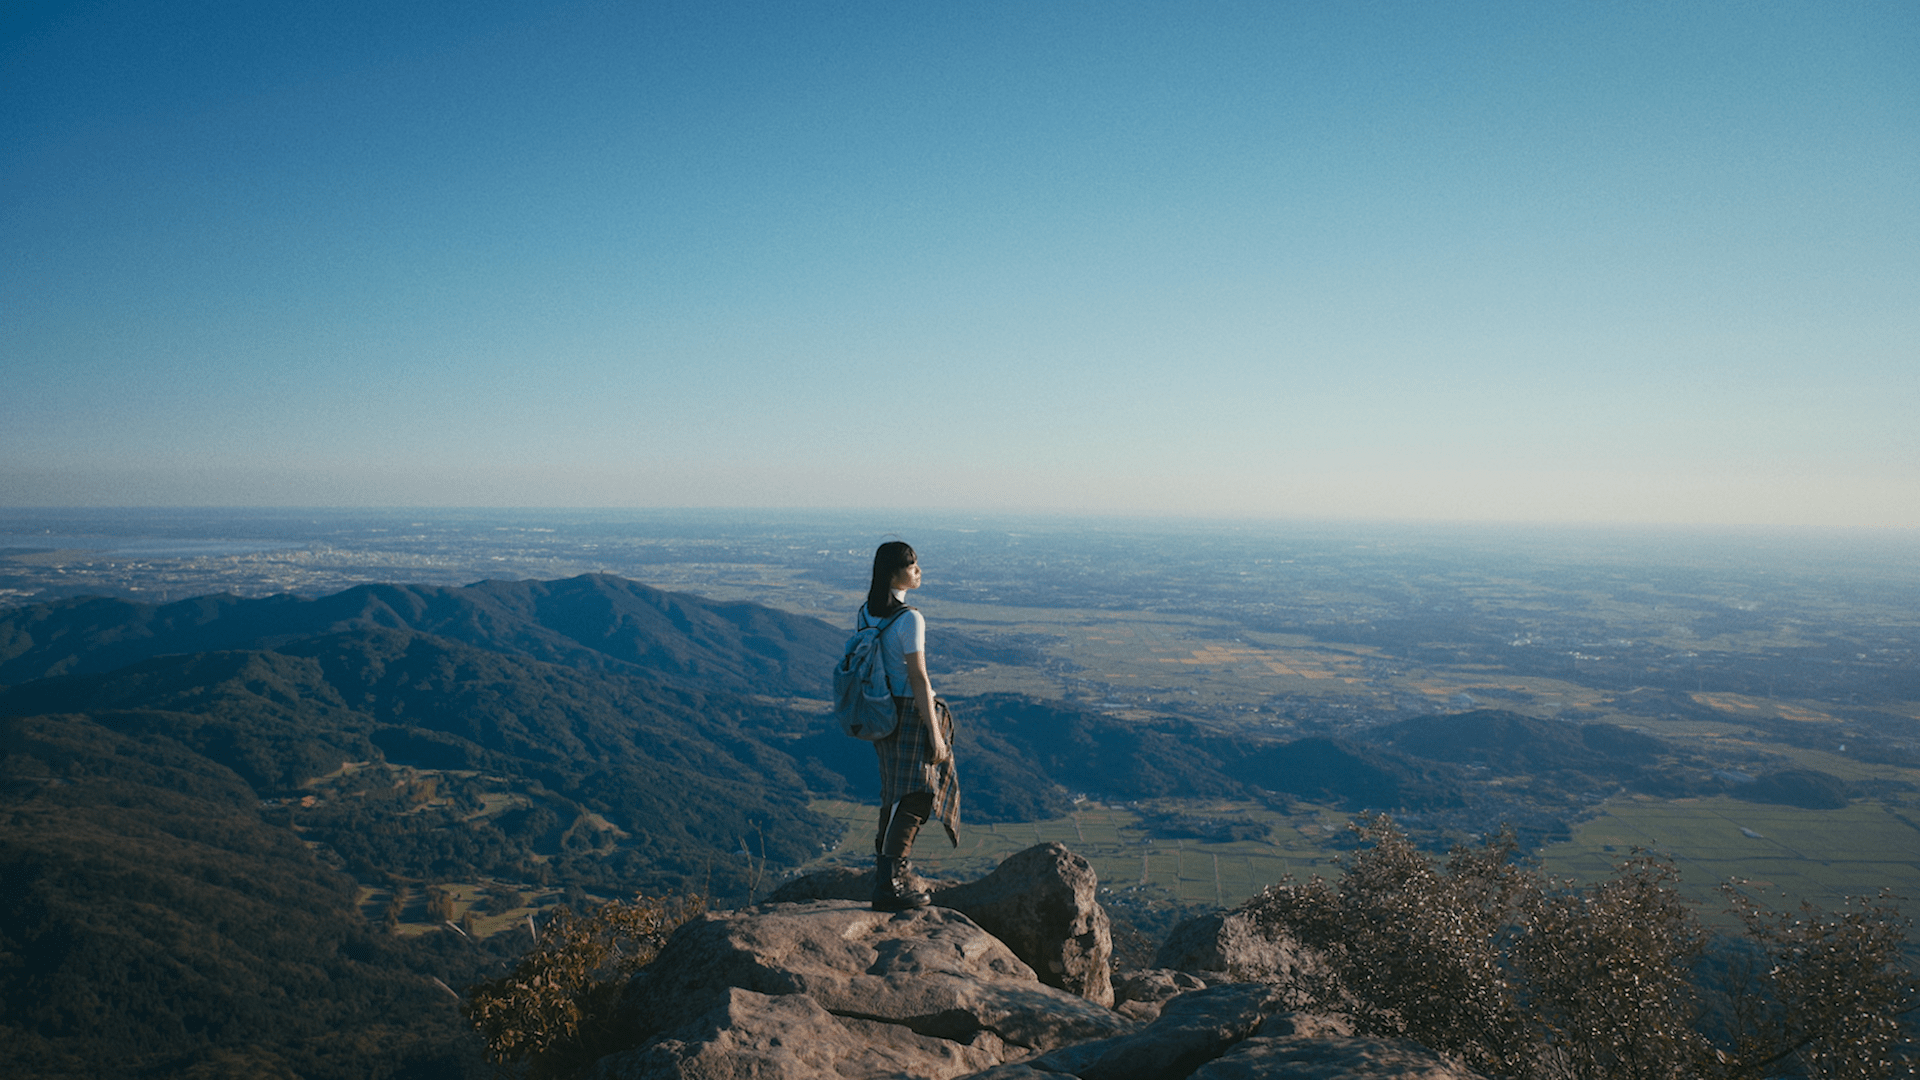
888,523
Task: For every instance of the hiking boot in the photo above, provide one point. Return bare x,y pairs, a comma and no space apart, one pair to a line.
911,882
892,887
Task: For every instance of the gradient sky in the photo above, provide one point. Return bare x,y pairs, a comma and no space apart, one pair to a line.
1612,262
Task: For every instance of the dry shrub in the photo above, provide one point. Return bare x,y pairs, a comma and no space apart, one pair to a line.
555,1012
1820,993
1525,976
1415,950
1609,974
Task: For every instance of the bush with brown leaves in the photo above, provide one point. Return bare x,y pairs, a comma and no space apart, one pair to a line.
554,1013
1525,976
1820,993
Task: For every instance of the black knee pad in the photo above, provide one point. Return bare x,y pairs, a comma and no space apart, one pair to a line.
917,805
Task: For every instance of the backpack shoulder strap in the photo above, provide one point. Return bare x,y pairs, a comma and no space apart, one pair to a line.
864,620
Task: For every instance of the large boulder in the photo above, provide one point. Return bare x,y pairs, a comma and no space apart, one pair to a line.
875,989
1229,946
1043,902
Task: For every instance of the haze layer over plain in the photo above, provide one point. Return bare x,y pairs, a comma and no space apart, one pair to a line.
1494,262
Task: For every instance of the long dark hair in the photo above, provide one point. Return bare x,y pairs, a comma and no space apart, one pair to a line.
888,559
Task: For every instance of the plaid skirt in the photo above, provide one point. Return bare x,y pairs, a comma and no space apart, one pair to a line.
904,767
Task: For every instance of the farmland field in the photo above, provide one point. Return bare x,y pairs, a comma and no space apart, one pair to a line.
1819,856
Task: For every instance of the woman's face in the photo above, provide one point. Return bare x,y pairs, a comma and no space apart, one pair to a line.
907,577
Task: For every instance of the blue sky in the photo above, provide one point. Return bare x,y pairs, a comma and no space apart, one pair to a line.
1623,262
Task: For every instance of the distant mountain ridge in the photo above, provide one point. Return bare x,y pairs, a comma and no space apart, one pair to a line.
591,621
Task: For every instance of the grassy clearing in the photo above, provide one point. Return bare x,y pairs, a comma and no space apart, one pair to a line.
1821,856
498,802
468,899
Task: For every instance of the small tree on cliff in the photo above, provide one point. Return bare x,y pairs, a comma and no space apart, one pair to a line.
1525,976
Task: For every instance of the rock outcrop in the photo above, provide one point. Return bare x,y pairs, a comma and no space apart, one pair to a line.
840,883
828,989
833,989
1042,902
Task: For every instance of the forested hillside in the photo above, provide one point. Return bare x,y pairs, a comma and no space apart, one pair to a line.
151,921
592,621
219,812
197,808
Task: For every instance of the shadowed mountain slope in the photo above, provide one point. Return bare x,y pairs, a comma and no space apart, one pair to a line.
681,773
1022,759
188,837
1349,775
1507,742
152,922
1808,789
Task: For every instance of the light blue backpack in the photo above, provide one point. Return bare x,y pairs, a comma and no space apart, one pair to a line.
862,692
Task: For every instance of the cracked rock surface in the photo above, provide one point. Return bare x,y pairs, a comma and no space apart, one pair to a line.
833,989
1043,903
755,1035
1192,1030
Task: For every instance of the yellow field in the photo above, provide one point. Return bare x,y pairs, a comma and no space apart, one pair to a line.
1741,705
1300,664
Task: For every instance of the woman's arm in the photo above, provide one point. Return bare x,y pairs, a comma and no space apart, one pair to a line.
923,697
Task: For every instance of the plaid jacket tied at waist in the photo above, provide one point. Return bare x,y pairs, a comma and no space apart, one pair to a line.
904,767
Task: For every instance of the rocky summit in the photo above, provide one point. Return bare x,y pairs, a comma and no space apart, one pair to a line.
816,986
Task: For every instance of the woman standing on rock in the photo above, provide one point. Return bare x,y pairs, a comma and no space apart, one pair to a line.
917,781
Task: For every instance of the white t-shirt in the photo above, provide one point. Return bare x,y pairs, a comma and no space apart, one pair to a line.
908,634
